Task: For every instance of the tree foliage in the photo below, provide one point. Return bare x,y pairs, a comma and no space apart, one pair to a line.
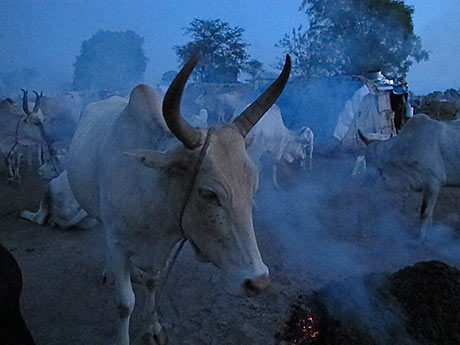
355,37
110,60
223,48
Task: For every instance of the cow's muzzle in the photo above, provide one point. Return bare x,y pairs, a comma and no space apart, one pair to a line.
254,287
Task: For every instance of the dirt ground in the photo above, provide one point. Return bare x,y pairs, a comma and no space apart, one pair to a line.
318,228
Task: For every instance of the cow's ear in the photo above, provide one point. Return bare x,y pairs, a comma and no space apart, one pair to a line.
153,159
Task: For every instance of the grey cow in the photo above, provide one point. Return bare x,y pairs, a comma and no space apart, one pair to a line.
426,152
152,180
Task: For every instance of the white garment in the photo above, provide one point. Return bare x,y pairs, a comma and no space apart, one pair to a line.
348,113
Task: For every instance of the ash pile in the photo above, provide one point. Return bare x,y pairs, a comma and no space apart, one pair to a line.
417,305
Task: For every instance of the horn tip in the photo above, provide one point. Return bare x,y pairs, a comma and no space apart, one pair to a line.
287,63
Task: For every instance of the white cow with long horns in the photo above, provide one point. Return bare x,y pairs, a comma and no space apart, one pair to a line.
152,180
20,128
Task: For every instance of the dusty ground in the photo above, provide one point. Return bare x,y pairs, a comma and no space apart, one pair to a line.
319,228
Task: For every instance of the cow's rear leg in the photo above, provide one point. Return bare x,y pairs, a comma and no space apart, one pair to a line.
154,334
125,293
430,195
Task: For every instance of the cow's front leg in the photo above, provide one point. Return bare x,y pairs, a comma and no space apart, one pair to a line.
430,195
125,294
275,176
17,175
310,158
9,169
154,333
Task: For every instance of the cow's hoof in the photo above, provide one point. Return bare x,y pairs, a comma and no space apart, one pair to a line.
153,339
160,338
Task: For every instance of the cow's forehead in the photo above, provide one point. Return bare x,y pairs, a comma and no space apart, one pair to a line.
227,154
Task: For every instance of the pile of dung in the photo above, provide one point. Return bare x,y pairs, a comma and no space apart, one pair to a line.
417,305
429,292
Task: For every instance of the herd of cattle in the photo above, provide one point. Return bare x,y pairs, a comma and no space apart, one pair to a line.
151,176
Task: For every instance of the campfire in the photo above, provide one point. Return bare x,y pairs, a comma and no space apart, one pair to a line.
303,324
418,305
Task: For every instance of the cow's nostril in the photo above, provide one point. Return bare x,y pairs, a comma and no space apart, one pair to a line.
256,286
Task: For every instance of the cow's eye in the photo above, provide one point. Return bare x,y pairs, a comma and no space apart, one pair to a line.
210,196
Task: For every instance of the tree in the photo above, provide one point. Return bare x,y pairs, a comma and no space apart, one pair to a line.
224,52
110,60
355,37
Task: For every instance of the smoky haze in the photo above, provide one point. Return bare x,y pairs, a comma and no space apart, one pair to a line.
46,36
304,223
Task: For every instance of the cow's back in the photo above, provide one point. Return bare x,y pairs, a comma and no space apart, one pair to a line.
450,150
84,155
269,135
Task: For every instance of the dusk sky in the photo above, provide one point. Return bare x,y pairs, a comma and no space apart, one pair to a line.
47,34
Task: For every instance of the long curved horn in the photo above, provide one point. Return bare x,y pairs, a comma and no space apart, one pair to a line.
188,135
249,117
25,102
365,139
38,98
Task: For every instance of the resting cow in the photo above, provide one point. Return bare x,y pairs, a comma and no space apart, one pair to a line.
426,153
152,180
59,208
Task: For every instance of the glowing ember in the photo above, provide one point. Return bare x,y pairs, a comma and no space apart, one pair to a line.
307,329
305,323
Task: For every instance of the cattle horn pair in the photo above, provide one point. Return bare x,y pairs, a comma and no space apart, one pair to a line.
25,103
191,136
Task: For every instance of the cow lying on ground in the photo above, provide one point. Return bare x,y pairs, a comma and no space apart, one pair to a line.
283,146
58,206
153,180
426,153
13,329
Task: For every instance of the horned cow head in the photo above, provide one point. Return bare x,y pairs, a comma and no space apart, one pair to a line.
33,116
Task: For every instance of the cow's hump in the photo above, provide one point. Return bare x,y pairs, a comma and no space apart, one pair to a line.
145,104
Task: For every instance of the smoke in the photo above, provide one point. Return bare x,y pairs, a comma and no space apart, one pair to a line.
335,233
